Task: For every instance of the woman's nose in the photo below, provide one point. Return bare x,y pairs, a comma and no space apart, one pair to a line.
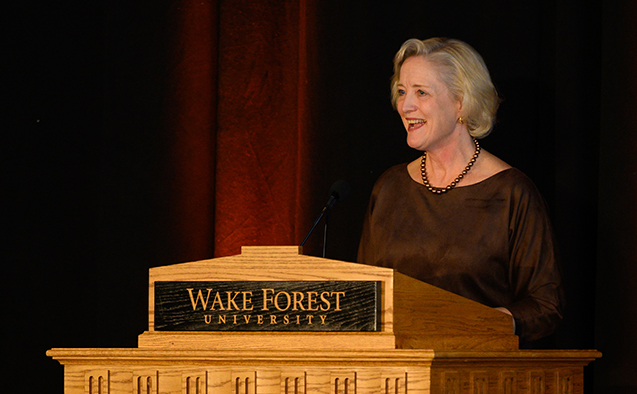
408,103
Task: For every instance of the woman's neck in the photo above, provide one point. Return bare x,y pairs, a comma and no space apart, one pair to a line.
444,163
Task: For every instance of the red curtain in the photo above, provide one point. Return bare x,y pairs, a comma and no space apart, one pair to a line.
190,111
242,132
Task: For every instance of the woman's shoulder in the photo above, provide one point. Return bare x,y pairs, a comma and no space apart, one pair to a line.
488,166
394,179
496,171
395,173
512,184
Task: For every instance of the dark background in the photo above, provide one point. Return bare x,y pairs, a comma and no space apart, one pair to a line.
86,145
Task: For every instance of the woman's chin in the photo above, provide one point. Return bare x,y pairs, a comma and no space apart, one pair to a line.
415,144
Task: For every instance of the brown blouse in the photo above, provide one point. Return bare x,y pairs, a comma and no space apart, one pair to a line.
491,242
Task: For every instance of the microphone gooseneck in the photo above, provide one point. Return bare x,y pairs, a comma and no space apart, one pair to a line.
339,191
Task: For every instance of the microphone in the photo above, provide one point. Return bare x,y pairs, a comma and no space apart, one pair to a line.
339,191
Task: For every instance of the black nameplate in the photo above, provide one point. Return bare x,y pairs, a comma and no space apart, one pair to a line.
344,306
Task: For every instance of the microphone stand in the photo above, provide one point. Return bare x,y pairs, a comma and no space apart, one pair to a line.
325,233
339,190
324,212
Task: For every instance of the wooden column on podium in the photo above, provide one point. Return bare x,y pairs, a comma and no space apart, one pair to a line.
428,341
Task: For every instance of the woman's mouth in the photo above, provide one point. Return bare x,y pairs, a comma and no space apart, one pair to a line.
414,124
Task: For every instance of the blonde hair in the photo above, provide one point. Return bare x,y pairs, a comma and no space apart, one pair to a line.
464,73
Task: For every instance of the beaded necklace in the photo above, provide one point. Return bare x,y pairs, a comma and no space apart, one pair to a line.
440,190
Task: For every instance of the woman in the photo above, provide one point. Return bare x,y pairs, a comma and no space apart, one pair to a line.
458,217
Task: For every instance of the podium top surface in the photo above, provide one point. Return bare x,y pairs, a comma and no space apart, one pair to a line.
270,263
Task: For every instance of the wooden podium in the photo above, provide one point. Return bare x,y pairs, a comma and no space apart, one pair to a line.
425,340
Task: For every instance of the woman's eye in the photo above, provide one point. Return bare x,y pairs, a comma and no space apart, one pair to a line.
422,93
401,92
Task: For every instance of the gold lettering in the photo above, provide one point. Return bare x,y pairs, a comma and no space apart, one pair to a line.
272,319
234,319
311,300
298,318
231,300
247,318
259,319
199,297
216,301
309,319
208,319
323,317
276,301
247,301
266,299
338,299
326,302
286,319
222,319
298,301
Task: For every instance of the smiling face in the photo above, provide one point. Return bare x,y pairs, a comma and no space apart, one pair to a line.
428,110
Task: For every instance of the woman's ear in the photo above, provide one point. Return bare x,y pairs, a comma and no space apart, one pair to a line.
460,101
460,108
